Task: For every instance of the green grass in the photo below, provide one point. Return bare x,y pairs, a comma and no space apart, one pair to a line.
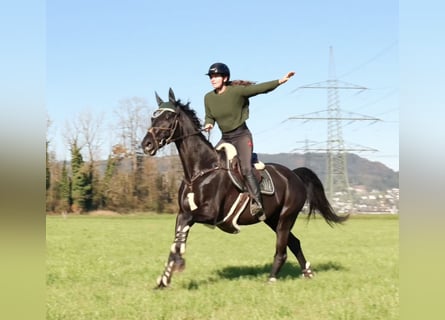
106,268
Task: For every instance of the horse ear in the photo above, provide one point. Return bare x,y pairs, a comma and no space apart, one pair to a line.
171,96
158,99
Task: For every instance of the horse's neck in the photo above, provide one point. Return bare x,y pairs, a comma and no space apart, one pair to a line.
196,155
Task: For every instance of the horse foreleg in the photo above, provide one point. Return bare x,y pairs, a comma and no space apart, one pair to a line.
176,262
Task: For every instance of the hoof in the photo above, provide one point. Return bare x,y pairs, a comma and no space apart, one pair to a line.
162,282
272,280
307,272
308,275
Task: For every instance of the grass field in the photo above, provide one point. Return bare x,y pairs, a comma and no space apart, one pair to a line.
106,268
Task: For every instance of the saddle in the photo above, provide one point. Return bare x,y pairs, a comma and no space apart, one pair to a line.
234,170
229,223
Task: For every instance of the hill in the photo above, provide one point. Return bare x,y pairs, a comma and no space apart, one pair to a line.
361,171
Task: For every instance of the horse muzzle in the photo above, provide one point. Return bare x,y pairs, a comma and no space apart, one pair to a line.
150,145
150,150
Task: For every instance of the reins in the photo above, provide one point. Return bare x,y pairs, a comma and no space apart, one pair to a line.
183,136
200,174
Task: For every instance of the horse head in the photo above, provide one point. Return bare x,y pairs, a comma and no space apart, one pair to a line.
164,123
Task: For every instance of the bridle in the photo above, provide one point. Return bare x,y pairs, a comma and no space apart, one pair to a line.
171,128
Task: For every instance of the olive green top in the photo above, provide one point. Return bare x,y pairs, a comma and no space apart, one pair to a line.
230,109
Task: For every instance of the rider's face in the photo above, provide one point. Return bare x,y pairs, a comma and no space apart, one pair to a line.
217,81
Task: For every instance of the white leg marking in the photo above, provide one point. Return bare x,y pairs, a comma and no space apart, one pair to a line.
191,200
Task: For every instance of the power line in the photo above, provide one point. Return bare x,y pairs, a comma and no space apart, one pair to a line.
375,57
337,174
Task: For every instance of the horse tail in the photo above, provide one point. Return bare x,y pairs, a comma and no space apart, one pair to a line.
317,197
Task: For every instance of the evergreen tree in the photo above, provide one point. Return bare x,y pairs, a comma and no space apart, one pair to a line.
48,172
139,191
81,181
65,190
104,193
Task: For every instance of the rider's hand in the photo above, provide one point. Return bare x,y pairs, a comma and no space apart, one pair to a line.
208,127
288,75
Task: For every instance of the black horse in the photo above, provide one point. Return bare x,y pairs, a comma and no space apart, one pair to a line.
210,194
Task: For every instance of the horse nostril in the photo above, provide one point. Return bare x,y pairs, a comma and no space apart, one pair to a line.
147,147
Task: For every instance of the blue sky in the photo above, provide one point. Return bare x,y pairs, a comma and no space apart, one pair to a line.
100,52
70,59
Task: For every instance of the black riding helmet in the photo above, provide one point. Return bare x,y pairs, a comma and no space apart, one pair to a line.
219,68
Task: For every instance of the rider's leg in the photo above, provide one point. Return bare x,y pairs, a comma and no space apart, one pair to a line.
244,147
254,190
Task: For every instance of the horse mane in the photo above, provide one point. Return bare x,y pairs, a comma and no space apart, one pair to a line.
190,113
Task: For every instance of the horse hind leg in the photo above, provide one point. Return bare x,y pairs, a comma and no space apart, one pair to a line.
287,238
280,256
295,246
279,259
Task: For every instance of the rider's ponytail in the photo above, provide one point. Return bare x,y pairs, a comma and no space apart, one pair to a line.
240,83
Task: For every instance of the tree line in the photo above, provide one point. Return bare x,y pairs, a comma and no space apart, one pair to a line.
126,181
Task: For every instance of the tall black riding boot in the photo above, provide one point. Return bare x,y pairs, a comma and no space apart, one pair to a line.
254,189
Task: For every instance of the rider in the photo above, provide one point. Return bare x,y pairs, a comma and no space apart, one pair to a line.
228,105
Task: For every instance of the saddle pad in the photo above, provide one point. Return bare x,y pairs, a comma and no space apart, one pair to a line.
266,184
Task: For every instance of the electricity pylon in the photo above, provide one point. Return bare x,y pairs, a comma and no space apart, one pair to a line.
337,173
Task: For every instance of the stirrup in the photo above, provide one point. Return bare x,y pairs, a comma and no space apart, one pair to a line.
257,210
